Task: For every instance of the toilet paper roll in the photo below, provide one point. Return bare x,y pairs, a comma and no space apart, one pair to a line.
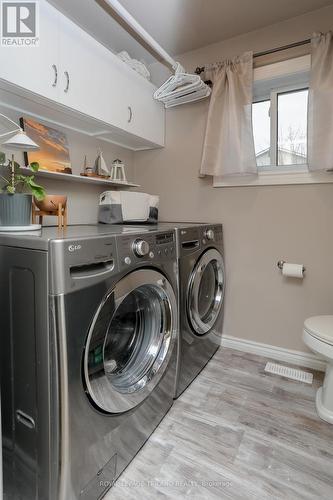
293,270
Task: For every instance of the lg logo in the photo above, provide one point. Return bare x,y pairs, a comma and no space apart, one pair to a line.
19,23
74,248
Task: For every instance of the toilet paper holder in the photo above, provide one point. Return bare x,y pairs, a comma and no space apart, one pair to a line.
281,262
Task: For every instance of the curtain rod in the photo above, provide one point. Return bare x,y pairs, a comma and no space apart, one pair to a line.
201,69
283,47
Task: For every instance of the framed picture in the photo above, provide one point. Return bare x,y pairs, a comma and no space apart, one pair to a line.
53,154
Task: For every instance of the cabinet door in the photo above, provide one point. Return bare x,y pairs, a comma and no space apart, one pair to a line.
88,82
145,116
34,68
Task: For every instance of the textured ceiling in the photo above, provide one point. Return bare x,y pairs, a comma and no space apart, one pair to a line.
183,25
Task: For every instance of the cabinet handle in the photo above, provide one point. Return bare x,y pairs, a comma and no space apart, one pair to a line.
67,78
55,81
130,116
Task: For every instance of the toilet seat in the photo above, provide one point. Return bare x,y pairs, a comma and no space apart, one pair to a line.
320,327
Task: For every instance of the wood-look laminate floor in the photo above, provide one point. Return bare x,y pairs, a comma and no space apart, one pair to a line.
236,433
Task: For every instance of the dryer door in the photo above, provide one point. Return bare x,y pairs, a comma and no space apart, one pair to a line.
130,341
206,292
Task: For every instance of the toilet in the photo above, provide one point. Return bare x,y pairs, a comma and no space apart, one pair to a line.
318,336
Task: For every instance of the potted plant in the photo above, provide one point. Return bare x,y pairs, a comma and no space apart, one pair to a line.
17,193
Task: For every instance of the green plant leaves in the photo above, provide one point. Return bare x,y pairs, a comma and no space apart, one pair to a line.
20,178
37,190
34,166
10,189
21,182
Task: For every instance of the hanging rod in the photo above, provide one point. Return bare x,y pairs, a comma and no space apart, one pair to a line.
201,69
114,8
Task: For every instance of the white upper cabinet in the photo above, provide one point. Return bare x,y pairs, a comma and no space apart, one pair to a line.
88,82
35,68
73,70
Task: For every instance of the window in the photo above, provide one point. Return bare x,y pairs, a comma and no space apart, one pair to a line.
280,109
280,129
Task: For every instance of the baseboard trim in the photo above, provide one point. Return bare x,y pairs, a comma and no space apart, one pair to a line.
306,359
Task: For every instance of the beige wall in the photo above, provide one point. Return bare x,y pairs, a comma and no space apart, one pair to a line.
82,198
261,224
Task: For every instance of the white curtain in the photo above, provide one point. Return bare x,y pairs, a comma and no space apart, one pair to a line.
320,128
229,144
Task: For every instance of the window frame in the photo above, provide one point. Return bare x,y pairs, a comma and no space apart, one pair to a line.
274,168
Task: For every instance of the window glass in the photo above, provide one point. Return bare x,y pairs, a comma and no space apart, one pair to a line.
262,131
280,128
292,110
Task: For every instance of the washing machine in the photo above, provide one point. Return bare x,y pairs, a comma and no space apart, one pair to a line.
88,355
201,284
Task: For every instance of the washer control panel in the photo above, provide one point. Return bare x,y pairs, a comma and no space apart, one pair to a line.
81,262
148,247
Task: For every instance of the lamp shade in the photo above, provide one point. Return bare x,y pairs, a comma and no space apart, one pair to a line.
20,141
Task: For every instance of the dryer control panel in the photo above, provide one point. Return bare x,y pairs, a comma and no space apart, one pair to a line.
193,238
211,233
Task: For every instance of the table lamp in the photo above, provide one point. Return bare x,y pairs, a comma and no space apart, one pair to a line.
20,141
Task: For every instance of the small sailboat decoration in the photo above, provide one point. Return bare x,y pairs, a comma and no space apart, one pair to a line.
100,167
85,163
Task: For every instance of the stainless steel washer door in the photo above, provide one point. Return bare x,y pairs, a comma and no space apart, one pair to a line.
130,341
206,292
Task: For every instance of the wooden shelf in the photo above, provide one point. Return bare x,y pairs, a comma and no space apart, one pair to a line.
78,178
